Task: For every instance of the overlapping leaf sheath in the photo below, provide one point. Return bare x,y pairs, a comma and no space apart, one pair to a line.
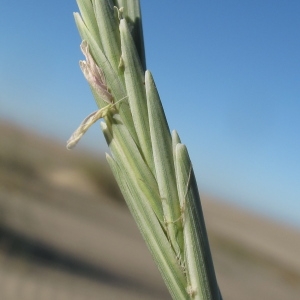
151,166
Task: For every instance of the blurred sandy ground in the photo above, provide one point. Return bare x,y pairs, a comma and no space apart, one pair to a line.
61,237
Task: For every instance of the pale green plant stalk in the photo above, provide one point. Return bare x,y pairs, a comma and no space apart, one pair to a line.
151,165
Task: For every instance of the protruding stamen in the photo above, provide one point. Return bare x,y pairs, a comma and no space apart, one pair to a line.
85,125
94,75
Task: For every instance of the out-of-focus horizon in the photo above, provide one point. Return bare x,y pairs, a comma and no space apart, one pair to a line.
228,75
65,235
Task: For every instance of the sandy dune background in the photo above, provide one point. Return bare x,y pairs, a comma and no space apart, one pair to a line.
65,234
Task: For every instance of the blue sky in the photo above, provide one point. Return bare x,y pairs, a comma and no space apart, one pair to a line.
228,73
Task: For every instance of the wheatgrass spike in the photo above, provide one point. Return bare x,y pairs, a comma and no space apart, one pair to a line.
151,166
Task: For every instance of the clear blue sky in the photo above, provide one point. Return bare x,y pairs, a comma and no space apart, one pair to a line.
228,73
